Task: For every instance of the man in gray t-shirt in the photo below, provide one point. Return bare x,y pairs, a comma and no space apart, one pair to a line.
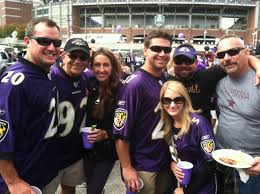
239,103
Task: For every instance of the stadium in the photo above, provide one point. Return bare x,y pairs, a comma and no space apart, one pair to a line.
199,20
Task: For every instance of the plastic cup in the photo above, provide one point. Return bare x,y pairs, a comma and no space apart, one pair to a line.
85,132
186,168
141,186
36,190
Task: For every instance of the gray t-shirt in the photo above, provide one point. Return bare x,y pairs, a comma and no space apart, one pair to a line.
239,120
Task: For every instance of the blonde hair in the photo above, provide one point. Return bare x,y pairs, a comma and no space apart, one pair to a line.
186,121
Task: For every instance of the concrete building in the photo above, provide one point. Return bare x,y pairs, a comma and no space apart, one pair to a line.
15,12
200,21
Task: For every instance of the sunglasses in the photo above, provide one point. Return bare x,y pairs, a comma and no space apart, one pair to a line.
159,49
230,52
183,60
46,41
82,57
177,100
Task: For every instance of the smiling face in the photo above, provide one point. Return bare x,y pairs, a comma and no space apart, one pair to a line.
102,68
174,109
237,64
43,56
185,67
157,61
75,62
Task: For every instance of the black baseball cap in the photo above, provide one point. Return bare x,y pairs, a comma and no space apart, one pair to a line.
76,44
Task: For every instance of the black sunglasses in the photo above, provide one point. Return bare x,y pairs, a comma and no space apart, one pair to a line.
177,100
183,60
82,57
159,49
230,52
47,41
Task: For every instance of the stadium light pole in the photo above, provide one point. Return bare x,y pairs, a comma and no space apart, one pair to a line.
68,17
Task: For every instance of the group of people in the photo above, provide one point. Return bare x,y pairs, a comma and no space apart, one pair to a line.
137,118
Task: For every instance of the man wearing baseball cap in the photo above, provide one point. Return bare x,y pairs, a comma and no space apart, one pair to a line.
71,83
200,84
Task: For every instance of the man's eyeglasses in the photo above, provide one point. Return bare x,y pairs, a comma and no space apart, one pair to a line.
177,100
183,60
82,57
46,41
230,52
159,49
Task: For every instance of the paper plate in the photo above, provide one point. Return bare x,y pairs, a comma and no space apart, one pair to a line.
242,159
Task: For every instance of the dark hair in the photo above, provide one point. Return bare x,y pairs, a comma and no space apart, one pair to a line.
111,88
29,29
157,34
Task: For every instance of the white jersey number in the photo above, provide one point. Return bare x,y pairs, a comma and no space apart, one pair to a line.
16,78
67,115
157,133
52,130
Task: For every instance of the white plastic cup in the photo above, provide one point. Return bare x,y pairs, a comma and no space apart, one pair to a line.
141,186
36,190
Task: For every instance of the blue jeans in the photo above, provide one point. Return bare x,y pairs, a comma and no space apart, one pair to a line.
252,186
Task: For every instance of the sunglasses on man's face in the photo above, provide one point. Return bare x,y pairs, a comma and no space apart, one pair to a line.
183,60
159,49
177,100
82,57
46,41
230,52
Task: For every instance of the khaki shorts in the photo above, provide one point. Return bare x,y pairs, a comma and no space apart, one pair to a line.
155,182
71,176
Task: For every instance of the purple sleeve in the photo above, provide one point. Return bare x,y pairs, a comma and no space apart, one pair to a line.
10,108
207,138
125,113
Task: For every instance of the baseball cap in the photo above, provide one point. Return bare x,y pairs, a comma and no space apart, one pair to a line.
76,44
189,52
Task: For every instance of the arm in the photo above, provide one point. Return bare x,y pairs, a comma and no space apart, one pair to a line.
255,63
129,173
255,169
14,183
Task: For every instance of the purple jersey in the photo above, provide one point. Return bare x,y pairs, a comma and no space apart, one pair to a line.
196,147
72,117
28,122
135,120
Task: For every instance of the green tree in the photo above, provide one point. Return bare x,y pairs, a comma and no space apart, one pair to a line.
7,30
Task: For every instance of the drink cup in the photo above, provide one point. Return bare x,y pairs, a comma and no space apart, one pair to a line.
36,190
85,132
186,168
141,186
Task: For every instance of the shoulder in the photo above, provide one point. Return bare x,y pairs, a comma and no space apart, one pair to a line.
15,75
199,120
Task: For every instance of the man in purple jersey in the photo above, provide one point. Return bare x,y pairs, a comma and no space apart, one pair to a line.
28,119
71,84
140,146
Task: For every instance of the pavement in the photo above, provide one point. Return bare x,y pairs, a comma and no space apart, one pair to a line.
114,183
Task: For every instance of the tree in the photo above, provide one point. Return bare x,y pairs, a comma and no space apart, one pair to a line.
7,30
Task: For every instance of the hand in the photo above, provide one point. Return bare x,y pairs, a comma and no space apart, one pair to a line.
177,171
255,169
178,190
131,179
20,187
97,135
